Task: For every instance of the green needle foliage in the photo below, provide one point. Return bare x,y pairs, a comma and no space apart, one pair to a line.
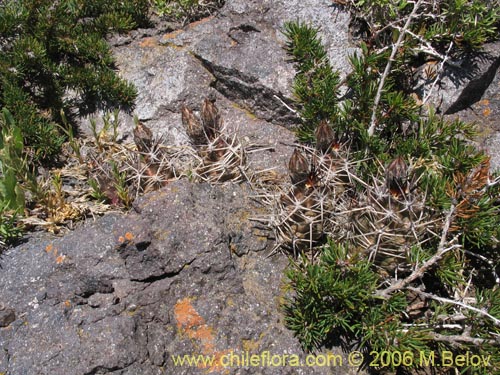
185,10
316,83
55,64
54,57
411,263
466,23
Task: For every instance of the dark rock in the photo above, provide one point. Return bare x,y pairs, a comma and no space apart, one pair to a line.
186,275
477,99
475,88
463,82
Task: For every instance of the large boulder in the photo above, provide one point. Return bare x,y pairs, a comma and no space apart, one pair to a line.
184,273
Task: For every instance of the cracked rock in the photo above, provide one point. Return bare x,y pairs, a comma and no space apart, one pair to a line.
183,274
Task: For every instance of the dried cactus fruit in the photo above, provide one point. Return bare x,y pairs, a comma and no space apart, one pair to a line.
300,214
194,128
324,202
396,177
211,119
302,227
221,158
298,167
143,137
325,137
151,168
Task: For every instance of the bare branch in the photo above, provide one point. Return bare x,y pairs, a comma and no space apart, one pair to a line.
465,339
453,302
439,73
395,49
286,105
418,273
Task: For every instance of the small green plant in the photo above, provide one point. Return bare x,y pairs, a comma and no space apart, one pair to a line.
185,10
121,186
9,227
12,163
392,215
96,192
12,166
73,141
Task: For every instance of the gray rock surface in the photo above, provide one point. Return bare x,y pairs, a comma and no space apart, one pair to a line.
237,54
185,273
479,102
471,93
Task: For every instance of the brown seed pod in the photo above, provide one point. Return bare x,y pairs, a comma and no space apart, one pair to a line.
108,188
298,167
143,137
194,128
325,137
210,118
396,177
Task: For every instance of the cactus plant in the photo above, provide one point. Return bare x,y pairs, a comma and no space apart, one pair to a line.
402,219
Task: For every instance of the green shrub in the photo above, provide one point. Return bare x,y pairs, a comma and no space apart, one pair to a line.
409,208
54,57
185,10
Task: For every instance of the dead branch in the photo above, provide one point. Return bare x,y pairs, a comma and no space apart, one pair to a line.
418,273
395,49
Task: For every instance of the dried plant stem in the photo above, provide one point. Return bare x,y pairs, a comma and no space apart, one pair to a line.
453,302
439,73
418,273
286,105
466,339
395,48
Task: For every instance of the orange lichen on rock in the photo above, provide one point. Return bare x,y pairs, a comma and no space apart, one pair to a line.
148,42
486,107
128,237
194,24
192,324
186,316
172,35
50,249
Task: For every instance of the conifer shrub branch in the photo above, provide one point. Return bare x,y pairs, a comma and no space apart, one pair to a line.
55,64
54,57
439,35
388,66
393,234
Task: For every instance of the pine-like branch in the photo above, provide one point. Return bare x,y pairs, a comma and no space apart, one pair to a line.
395,49
462,339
